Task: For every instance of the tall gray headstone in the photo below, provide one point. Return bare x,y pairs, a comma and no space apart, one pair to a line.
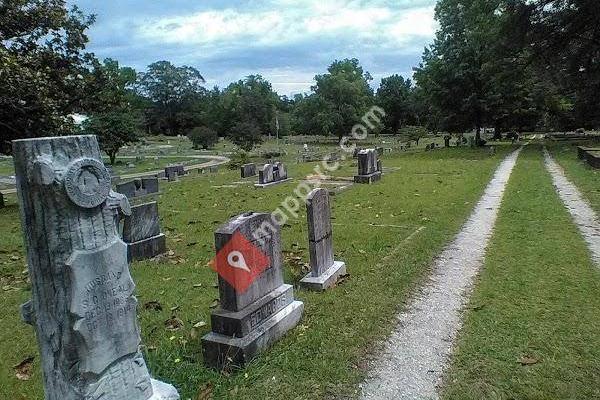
141,231
82,307
368,171
324,270
256,307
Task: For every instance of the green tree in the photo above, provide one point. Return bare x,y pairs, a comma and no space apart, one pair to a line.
112,117
203,137
565,45
311,116
114,129
246,135
394,96
345,94
175,93
43,68
251,99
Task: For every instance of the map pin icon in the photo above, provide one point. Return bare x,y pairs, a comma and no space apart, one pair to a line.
236,260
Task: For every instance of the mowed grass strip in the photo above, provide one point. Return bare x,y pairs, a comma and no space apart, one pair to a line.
324,355
533,323
586,178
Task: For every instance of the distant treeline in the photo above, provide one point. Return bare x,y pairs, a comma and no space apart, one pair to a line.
506,64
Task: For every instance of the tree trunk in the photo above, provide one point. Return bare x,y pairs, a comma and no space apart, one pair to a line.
82,306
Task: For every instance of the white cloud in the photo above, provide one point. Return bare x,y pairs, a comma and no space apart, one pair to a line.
292,23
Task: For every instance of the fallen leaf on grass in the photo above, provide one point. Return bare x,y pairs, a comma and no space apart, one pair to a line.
528,360
342,279
173,324
153,305
24,369
195,332
215,303
205,393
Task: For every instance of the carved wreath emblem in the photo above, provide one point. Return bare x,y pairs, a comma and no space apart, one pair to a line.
87,182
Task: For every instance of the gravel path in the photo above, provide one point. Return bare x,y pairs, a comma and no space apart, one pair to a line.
414,358
585,218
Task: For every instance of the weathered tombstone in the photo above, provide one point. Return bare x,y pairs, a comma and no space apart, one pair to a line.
150,185
272,174
256,307
367,167
172,172
248,170
141,232
138,187
127,189
172,176
82,305
593,158
180,169
447,140
1,200
324,270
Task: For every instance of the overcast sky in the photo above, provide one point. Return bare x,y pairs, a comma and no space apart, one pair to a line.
286,41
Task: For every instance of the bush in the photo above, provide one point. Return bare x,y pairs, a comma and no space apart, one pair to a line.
203,137
413,132
238,159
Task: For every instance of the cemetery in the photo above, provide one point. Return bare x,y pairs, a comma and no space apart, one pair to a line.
205,201
187,326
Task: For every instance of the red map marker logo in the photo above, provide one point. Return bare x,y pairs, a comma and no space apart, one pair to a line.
240,262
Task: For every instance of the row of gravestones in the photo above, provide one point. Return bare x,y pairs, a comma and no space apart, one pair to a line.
590,154
83,306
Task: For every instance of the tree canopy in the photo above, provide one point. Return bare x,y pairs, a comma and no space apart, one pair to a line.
43,68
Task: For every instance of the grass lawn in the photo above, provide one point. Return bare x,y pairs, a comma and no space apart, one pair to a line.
578,171
374,233
537,303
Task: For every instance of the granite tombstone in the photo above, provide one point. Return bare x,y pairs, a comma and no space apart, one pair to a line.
272,174
248,170
256,306
368,171
141,231
82,307
324,270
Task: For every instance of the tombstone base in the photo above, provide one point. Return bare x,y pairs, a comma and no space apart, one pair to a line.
148,248
240,323
221,351
374,177
262,185
163,391
327,278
